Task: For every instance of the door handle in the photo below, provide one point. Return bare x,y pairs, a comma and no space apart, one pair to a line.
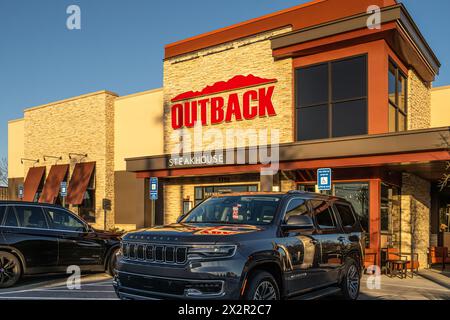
342,239
313,241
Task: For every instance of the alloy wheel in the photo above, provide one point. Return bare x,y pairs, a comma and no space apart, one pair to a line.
9,270
265,291
353,281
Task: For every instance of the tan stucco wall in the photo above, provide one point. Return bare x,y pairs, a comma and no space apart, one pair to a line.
16,145
82,125
252,55
440,107
138,126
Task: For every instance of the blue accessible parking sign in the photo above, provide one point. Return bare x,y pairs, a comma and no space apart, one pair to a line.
63,189
154,189
324,179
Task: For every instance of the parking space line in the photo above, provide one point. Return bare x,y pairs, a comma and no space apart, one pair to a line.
55,298
56,290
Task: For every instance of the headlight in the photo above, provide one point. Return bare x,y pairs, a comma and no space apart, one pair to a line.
211,251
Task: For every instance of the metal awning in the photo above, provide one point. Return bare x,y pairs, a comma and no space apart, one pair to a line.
52,184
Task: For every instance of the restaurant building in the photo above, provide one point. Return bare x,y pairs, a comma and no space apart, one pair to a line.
314,86
339,92
83,141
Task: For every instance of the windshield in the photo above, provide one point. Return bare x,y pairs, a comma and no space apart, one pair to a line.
250,210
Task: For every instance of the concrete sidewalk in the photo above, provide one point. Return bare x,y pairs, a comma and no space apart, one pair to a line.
428,285
437,276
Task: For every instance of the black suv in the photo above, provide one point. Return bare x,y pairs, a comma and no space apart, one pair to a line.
252,246
37,238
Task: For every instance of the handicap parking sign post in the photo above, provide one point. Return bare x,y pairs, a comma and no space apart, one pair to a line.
154,189
153,196
324,179
20,192
63,192
63,189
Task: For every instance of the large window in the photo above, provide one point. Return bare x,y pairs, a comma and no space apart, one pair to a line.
251,210
31,217
61,220
323,215
331,99
390,214
202,193
397,99
87,207
358,195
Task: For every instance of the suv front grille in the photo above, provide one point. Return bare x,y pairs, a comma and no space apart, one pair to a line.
155,253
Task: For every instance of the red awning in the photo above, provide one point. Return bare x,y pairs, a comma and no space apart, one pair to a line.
79,182
32,182
53,182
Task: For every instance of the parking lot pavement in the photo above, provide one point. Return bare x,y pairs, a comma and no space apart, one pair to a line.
93,287
99,287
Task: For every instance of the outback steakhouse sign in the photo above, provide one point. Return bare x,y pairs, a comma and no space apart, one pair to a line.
209,107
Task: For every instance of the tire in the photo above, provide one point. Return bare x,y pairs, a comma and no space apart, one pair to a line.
351,281
262,286
10,269
112,260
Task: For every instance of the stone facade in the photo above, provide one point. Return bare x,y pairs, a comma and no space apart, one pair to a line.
194,71
82,125
415,217
419,102
247,56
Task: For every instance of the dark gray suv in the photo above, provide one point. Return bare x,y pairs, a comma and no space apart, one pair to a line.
251,246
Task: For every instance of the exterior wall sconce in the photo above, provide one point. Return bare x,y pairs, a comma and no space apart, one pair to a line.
80,155
22,160
53,157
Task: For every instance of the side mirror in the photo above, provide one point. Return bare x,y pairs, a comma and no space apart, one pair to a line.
303,222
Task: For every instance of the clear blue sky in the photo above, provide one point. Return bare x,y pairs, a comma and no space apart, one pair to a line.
120,45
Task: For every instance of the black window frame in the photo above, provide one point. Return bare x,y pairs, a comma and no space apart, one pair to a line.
354,227
396,104
89,212
289,201
15,209
330,209
9,209
3,210
331,101
202,189
69,213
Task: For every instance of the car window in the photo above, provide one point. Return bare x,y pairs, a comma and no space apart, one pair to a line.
296,207
11,219
62,220
250,210
346,215
31,217
2,214
323,215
